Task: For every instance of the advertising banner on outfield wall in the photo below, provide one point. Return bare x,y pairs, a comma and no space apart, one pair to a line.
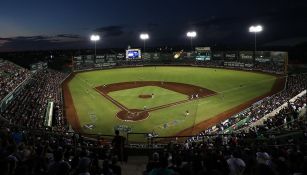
100,58
146,56
78,58
120,56
277,56
202,49
263,56
232,55
246,55
111,57
217,55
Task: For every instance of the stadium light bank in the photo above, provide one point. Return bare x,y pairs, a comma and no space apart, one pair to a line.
255,29
95,38
191,35
144,37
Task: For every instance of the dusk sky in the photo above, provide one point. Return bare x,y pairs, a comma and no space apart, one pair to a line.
61,24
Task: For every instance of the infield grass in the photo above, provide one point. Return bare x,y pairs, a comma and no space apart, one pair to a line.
130,97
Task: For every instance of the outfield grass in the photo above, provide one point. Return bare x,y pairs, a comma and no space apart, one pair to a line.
237,87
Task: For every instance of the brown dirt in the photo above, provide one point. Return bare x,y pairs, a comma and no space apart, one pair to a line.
69,107
145,96
125,113
186,89
277,87
132,115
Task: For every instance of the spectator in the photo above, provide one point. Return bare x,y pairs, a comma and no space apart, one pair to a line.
118,144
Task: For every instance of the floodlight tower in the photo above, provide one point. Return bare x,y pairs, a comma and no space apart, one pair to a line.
191,35
255,29
144,37
95,38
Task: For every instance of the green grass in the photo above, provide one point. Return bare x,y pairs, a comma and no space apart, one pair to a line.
237,87
130,99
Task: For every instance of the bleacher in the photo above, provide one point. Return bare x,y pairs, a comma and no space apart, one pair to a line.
11,75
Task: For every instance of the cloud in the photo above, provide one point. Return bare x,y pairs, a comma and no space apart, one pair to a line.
41,42
73,36
110,31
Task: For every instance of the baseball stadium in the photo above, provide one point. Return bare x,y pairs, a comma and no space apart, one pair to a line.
153,87
154,100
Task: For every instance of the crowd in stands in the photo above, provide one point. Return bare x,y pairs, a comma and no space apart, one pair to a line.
28,152
295,84
269,66
24,152
29,106
230,156
11,75
286,119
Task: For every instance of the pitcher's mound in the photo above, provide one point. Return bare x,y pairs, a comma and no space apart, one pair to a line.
132,115
145,96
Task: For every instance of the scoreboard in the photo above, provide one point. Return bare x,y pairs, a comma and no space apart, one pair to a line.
203,53
132,54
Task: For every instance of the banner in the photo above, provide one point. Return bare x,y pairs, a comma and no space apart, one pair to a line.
277,56
246,55
217,55
231,55
202,49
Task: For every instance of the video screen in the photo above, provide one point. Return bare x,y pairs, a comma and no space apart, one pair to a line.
133,54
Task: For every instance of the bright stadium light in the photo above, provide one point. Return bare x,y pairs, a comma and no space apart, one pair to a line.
144,37
255,30
191,35
95,38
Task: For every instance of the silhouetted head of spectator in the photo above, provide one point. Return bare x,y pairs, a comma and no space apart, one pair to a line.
114,159
117,132
155,157
84,165
58,155
164,163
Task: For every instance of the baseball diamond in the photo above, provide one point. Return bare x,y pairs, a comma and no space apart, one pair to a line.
145,98
135,115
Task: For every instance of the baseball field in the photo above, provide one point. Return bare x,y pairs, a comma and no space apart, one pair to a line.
168,100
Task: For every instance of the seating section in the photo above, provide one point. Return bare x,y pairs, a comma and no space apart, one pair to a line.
29,107
295,84
11,75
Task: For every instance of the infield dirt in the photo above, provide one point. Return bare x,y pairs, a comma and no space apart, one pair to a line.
193,92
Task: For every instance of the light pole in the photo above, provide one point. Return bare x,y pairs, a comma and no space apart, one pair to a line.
191,35
255,30
144,37
95,38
